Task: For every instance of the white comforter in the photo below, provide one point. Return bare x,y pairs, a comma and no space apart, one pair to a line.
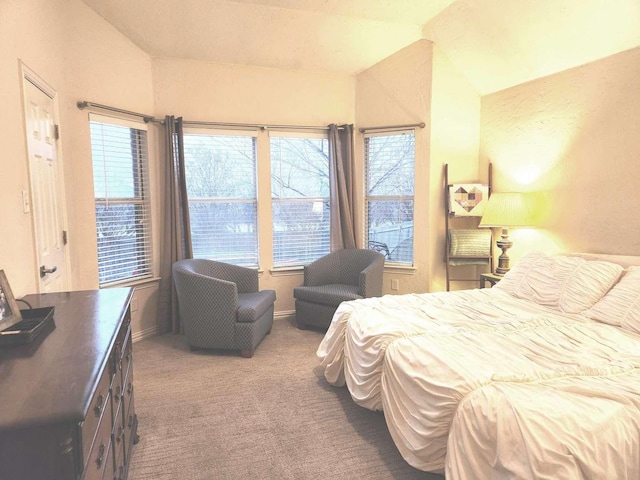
479,383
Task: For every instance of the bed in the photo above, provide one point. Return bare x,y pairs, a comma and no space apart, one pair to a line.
537,377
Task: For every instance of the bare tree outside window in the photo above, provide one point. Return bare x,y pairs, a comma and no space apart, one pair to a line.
119,157
389,164
220,174
300,199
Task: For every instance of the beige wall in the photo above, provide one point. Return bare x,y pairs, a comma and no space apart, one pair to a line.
41,48
455,141
208,92
397,91
573,139
83,58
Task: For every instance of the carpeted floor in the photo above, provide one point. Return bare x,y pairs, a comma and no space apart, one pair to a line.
216,415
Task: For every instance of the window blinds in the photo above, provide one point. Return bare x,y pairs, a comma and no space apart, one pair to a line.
300,197
120,179
389,173
220,171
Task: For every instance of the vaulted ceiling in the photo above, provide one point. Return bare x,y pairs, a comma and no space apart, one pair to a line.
495,43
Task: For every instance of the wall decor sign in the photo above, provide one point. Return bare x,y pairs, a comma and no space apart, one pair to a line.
468,199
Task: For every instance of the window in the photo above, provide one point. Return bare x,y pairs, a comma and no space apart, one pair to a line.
389,165
300,198
220,171
120,176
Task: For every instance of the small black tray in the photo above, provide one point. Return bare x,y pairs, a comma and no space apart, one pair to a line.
34,320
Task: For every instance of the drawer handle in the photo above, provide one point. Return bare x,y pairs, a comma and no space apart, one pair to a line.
100,458
120,432
130,423
129,388
117,393
99,405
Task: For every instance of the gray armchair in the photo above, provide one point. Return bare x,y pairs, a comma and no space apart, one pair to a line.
337,277
220,305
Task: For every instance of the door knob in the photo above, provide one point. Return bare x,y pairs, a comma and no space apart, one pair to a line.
44,270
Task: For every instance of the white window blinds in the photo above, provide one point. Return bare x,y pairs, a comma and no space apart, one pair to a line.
300,197
389,170
120,180
220,172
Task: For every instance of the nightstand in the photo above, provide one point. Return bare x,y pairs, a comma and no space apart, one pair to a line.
492,278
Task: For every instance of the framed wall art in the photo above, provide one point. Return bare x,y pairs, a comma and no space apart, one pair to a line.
9,311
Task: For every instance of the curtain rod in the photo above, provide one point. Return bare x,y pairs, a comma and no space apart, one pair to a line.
258,126
146,118
393,127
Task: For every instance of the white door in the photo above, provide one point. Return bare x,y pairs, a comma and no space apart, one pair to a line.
45,201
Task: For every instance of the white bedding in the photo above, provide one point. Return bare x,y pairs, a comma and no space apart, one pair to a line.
482,384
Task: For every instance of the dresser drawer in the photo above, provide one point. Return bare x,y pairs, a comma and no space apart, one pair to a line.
127,350
109,466
99,456
99,411
131,425
130,420
117,390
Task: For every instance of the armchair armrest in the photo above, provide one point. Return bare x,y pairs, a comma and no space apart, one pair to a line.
200,295
370,280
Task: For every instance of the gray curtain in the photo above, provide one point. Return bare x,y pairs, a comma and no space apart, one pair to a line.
176,235
341,187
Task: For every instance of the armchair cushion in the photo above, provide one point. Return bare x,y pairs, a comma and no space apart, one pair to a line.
327,294
252,305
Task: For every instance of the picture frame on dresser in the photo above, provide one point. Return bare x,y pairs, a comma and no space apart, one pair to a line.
9,311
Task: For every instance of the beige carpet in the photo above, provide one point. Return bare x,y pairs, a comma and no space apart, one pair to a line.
205,415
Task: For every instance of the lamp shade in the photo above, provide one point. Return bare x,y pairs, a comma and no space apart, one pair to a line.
506,210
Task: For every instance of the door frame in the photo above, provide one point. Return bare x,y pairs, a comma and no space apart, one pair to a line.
27,74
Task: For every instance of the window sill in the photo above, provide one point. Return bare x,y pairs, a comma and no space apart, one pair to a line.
133,283
399,268
287,271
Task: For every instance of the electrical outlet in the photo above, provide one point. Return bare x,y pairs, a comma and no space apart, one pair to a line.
395,284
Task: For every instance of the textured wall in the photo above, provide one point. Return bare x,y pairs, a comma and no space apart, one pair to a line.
573,139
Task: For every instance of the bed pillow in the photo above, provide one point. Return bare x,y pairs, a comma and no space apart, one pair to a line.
584,282
568,284
621,306
530,273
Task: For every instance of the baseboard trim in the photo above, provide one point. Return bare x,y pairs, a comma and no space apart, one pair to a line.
284,315
142,334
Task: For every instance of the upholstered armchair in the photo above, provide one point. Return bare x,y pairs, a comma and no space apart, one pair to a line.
337,277
220,305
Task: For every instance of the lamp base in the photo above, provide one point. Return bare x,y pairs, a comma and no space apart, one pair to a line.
503,244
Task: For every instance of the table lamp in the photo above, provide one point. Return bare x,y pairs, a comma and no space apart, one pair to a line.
504,210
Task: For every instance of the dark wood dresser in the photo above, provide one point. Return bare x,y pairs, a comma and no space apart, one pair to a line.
66,399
